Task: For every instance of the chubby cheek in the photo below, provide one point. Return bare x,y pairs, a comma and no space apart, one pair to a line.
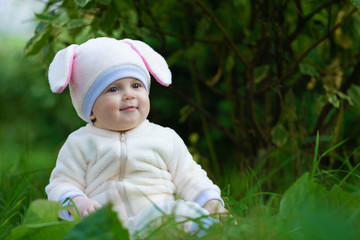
112,106
110,110
146,108
104,108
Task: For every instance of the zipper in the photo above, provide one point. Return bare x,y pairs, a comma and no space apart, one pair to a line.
123,157
122,191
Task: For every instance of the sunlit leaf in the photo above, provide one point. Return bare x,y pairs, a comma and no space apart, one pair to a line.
82,3
39,40
332,98
61,20
42,222
311,211
261,72
356,3
45,17
102,224
308,70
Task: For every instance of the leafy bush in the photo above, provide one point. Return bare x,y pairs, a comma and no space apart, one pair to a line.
256,79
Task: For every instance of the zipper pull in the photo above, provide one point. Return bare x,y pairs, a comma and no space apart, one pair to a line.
123,138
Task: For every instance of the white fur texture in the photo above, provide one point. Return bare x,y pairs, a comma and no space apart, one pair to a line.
60,69
157,165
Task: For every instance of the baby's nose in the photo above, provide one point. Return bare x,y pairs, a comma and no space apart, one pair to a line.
129,94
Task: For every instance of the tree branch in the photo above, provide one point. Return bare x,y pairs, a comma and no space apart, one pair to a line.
222,29
304,54
303,21
182,37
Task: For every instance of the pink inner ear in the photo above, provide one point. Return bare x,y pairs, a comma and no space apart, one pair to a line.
69,71
147,65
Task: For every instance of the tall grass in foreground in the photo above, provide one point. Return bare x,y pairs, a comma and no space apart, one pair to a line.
14,198
316,206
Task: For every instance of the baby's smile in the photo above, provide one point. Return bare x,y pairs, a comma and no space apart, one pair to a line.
129,109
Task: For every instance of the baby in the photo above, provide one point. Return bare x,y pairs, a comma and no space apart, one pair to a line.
119,156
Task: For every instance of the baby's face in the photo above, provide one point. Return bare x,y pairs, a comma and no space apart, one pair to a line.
122,106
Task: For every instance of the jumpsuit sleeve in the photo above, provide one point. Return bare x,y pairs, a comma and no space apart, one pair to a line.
68,176
191,181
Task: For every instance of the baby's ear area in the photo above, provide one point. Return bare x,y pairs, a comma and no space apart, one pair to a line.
92,117
153,61
60,69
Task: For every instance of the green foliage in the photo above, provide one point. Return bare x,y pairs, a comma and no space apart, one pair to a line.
356,3
103,224
307,210
310,211
263,92
262,81
42,222
13,197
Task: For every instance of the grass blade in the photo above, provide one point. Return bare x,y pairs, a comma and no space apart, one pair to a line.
315,161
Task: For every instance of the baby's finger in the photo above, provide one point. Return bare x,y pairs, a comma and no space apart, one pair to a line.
97,206
91,209
85,213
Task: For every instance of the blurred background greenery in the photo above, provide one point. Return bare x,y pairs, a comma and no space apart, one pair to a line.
253,82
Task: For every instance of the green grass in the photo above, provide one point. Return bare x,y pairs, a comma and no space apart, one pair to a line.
321,204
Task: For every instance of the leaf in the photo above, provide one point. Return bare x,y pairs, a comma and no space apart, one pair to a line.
108,20
261,72
45,17
356,3
279,135
311,84
39,40
313,212
82,3
229,63
174,57
332,75
316,161
185,112
42,211
332,98
61,20
354,93
42,222
345,97
102,224
74,23
345,202
303,193
308,70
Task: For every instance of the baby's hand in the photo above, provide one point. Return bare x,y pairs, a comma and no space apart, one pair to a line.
215,206
85,205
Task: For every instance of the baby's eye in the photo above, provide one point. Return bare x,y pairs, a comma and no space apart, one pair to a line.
136,85
113,89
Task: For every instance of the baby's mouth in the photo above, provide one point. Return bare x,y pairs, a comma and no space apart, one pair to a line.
129,108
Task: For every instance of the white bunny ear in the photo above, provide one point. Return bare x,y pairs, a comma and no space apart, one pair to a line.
153,61
60,69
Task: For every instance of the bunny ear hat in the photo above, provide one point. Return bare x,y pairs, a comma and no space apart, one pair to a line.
90,67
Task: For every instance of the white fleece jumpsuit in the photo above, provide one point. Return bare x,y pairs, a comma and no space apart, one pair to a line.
146,165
